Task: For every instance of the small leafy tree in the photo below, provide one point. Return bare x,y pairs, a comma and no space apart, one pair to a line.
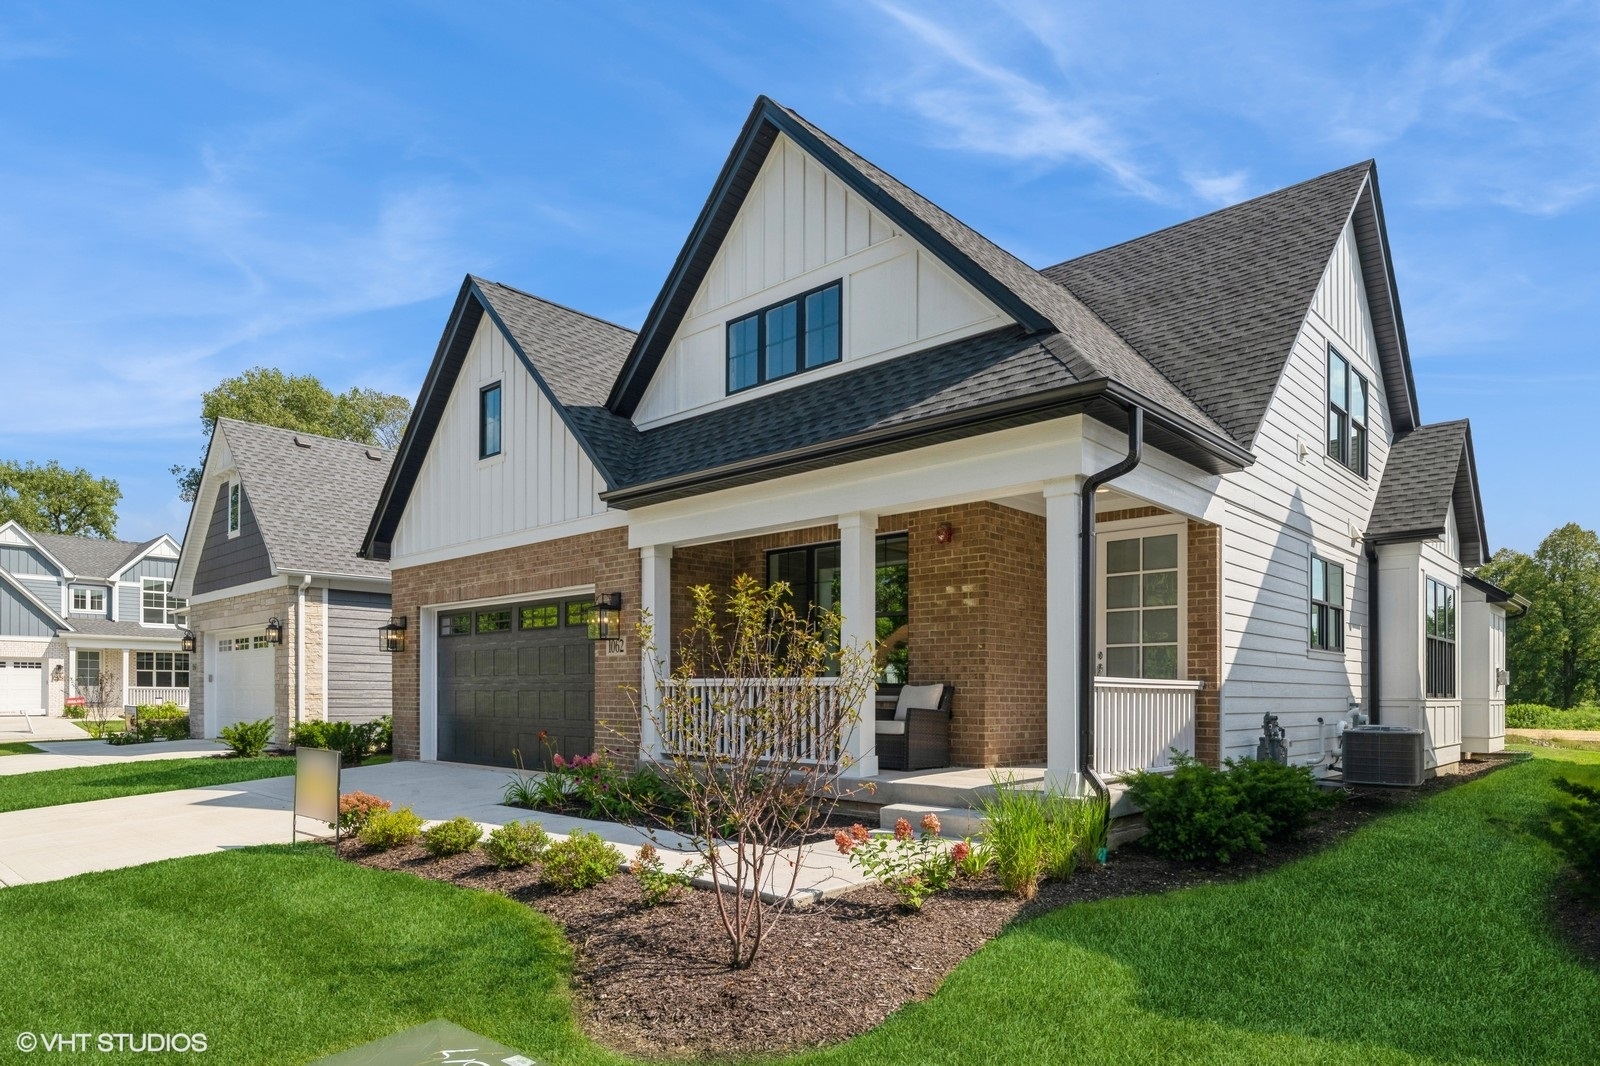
102,698
759,753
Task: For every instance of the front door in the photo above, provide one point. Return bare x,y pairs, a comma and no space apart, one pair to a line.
1141,624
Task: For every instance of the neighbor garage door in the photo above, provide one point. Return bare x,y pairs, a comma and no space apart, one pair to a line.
508,674
242,690
21,686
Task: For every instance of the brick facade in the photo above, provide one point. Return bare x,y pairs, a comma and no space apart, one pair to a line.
252,611
601,559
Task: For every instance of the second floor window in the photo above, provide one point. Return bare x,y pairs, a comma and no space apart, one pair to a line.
798,334
88,600
233,508
489,421
1440,635
1327,605
160,607
1347,414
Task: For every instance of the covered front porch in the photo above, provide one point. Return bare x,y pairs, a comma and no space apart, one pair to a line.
977,587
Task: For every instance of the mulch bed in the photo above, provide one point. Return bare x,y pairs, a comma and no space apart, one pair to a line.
650,981
1577,919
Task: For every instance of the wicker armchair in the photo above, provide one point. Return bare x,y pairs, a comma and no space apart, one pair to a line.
913,726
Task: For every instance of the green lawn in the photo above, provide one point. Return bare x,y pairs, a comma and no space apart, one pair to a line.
47,788
1422,938
18,749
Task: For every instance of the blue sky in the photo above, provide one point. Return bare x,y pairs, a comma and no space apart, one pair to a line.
187,191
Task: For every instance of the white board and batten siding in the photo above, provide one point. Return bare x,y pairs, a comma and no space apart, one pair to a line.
1292,503
1404,570
801,228
541,478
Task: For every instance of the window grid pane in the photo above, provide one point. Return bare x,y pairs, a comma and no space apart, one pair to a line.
783,340
744,353
822,327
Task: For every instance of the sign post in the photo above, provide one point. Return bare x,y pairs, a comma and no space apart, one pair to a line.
316,789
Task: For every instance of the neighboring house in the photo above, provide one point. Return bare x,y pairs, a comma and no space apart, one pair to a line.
74,608
843,386
285,614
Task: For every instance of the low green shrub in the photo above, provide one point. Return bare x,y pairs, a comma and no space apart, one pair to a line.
1574,828
657,884
458,835
1538,716
248,739
1286,796
390,829
516,844
355,743
381,730
583,860
355,808
1198,812
152,712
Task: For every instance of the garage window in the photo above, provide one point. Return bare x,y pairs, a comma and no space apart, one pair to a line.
494,621
455,625
545,616
580,612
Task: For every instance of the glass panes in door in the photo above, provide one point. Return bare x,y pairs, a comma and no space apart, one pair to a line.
1141,607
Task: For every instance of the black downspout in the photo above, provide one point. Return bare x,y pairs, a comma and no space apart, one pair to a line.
1370,644
1086,598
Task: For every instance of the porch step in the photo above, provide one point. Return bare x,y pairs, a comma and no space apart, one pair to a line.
954,822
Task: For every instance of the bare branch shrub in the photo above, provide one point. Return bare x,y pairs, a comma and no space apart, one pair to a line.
102,698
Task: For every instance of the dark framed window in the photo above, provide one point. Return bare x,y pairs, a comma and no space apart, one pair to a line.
1348,394
801,333
489,421
580,612
455,625
161,669
1327,605
1440,637
542,616
812,574
494,621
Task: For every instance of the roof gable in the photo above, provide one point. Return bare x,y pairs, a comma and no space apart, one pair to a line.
50,616
93,557
1216,303
1429,470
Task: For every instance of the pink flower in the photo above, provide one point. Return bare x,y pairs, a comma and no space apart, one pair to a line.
960,852
558,762
902,830
844,842
859,834
930,823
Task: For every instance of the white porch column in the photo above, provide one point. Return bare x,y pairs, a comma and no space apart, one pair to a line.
1062,502
655,600
858,603
124,677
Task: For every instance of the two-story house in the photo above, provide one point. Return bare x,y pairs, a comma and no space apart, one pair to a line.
1132,501
75,608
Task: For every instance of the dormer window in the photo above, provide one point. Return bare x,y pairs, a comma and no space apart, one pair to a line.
1347,414
234,507
87,599
800,333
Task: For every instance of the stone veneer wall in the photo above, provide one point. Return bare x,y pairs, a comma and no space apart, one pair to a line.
252,610
601,559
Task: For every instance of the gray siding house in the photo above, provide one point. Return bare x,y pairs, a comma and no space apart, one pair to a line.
284,612
76,609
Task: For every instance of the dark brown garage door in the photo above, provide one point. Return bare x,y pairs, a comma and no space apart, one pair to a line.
511,672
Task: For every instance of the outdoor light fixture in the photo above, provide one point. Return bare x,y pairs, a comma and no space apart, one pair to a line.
188,641
56,673
392,637
945,533
274,631
606,623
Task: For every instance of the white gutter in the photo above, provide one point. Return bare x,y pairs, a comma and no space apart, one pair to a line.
300,649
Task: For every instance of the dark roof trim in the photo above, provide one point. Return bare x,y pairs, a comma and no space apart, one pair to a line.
744,163
1002,414
1495,594
1383,304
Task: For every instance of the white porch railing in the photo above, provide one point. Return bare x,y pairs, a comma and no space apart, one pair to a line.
1138,722
713,722
138,697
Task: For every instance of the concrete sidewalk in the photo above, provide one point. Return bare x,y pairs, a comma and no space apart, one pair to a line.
32,728
59,755
48,843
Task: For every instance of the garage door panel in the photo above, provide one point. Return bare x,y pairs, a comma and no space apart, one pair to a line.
22,686
243,680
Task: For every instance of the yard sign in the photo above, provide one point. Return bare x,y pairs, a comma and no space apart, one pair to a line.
316,788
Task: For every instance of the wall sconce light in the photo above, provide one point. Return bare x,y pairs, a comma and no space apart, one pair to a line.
606,622
188,642
392,637
274,631
945,533
56,673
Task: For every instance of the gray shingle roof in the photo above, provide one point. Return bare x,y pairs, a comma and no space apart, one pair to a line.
91,556
312,503
1215,303
105,627
577,354
1427,470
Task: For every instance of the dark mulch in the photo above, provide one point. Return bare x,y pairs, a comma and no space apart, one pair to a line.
1577,919
651,981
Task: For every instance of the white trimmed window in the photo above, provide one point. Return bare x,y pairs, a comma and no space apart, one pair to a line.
161,669
235,505
161,608
88,599
88,669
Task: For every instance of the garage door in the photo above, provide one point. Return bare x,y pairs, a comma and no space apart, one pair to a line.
243,687
21,686
511,672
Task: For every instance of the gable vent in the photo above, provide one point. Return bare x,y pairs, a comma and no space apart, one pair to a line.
298,443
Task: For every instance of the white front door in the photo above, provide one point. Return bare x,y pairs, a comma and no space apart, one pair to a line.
21,686
243,688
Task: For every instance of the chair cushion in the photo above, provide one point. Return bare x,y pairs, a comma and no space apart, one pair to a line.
891,728
926,696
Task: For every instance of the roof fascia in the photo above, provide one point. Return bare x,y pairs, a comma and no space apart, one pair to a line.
1469,460
142,553
755,140
1381,286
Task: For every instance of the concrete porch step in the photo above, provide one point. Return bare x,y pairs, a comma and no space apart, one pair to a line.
954,822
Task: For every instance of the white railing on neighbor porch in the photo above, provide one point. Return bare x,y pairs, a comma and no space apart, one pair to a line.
713,726
1137,723
139,697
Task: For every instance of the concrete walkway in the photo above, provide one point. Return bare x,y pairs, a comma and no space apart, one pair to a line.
61,754
49,843
36,727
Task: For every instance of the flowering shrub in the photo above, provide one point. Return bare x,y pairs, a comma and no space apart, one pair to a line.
912,866
970,859
356,807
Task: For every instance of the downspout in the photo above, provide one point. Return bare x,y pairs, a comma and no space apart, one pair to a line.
1086,597
1370,646
300,649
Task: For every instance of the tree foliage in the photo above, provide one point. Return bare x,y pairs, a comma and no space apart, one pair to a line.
299,402
53,499
1554,653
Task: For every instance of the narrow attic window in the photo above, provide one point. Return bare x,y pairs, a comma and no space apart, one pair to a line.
1347,414
775,342
233,508
489,421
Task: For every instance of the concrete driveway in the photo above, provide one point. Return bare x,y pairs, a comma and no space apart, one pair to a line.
59,755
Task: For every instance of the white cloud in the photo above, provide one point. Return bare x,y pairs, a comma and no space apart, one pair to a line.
1220,190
